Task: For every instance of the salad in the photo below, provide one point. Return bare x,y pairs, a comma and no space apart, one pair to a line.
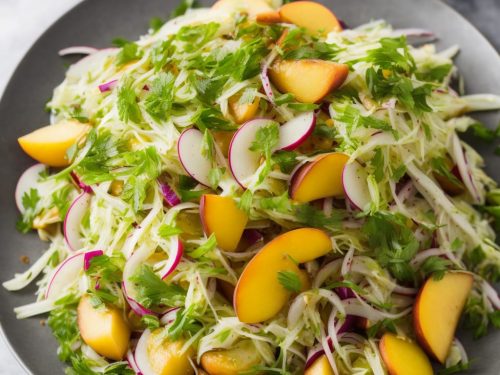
256,188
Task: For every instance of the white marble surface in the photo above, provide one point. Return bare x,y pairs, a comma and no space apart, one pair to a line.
21,23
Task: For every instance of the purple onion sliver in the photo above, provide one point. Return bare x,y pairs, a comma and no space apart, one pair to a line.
252,236
169,194
108,86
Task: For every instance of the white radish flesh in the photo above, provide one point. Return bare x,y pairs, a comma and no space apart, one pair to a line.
73,221
26,182
295,132
189,149
354,181
141,354
242,161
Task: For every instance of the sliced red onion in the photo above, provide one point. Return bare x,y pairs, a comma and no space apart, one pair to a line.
73,221
407,191
460,159
131,362
169,316
65,274
492,294
169,194
266,83
77,50
405,291
352,338
108,86
314,353
347,262
141,355
357,307
136,307
252,236
389,104
26,182
174,257
88,257
80,183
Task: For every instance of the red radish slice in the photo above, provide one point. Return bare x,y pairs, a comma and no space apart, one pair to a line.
264,77
354,181
73,220
243,162
314,353
65,274
294,132
79,182
189,150
169,316
26,182
88,257
77,50
174,258
464,169
169,194
131,362
108,86
141,354
131,266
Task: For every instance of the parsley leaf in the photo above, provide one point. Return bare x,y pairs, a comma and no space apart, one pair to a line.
62,322
286,160
128,109
156,23
30,201
205,248
245,202
290,281
442,168
153,292
266,141
183,7
434,74
481,131
129,52
185,321
159,101
310,216
436,266
393,54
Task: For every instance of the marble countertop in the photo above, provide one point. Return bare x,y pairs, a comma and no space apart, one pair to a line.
16,37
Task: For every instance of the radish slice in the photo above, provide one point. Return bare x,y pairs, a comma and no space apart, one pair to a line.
314,353
131,362
174,257
464,169
131,266
73,221
26,182
108,86
243,162
169,316
189,150
354,181
88,257
79,182
77,50
67,273
169,194
141,354
294,132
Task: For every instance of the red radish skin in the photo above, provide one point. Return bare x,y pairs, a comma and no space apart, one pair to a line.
141,354
88,257
174,259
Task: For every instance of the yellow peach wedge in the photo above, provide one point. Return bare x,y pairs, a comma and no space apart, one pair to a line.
314,17
321,178
221,216
269,17
239,358
167,357
320,366
259,295
243,112
403,357
49,144
104,329
309,80
437,310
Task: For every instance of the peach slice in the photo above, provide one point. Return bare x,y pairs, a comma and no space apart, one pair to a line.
321,178
309,80
437,310
314,17
259,295
103,329
243,112
221,215
166,357
321,366
236,360
49,144
403,357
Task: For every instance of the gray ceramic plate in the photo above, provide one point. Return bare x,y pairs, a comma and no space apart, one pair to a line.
96,23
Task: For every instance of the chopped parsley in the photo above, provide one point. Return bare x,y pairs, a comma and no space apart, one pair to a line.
290,281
